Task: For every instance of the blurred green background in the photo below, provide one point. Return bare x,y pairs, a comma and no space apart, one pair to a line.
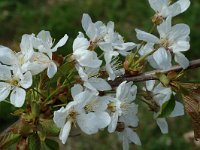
18,17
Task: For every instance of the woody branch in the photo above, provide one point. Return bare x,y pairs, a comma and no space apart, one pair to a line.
151,75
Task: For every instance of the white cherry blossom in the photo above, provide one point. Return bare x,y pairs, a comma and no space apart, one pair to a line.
21,59
39,62
164,8
95,31
98,32
160,95
122,106
128,136
14,82
87,110
91,80
114,68
44,43
116,40
83,55
173,40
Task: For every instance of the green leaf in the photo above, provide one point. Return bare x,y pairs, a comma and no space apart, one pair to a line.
34,142
9,139
48,127
167,107
49,144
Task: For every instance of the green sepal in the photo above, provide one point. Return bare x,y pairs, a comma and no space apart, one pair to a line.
49,144
48,127
163,79
34,142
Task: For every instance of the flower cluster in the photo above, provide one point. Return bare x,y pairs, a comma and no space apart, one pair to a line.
92,102
35,56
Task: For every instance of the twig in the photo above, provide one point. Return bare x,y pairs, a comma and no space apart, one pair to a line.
151,75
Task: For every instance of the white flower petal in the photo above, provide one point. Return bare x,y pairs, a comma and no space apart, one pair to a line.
101,103
102,119
133,137
150,85
129,117
35,68
52,69
109,55
110,72
178,110
157,5
165,27
26,81
83,97
123,48
125,143
174,9
38,63
60,116
182,60
110,26
26,46
87,58
4,90
62,42
113,124
7,56
92,32
144,36
80,42
126,92
64,133
87,123
162,123
184,4
5,73
152,62
179,32
45,36
86,21
76,89
17,97
162,58
106,47
90,87
99,84
120,90
146,49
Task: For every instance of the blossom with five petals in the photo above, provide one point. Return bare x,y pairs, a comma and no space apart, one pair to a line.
13,81
160,95
173,40
87,110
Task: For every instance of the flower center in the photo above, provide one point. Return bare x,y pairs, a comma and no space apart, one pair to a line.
14,82
41,60
157,18
88,108
72,115
165,43
112,107
123,105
